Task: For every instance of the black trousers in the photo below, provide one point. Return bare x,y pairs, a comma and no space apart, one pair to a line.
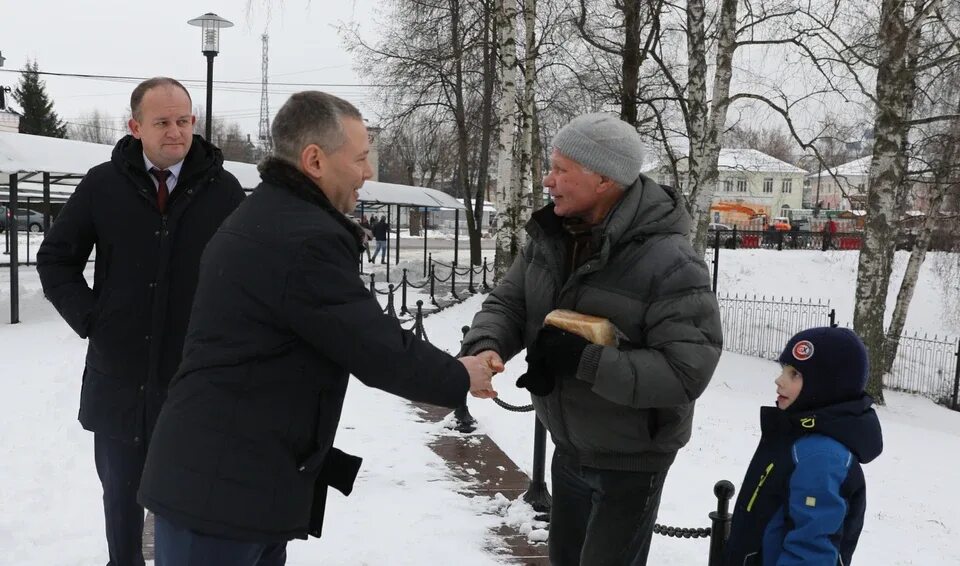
176,546
120,465
601,517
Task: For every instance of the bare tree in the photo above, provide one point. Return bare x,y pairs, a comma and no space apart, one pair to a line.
96,127
772,141
436,58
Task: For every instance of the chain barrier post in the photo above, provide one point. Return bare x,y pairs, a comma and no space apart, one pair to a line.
403,294
956,378
537,495
391,310
465,421
418,324
716,260
485,286
720,526
453,280
433,281
373,287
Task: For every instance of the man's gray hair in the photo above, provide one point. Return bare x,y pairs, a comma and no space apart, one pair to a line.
310,117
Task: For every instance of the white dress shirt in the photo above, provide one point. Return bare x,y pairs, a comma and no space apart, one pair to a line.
171,179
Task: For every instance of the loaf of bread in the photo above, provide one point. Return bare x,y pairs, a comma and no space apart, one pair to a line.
594,328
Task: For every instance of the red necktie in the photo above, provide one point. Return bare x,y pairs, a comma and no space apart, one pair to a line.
162,192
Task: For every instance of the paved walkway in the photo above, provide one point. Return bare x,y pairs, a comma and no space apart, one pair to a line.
493,472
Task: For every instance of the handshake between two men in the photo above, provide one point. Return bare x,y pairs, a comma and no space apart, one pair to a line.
554,354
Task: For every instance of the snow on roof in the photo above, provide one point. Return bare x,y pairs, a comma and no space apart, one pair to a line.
24,153
856,168
741,160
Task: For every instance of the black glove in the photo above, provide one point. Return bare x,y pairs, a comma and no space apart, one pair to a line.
555,353
537,380
560,350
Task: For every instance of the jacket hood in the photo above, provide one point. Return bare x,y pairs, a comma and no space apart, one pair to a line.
647,208
852,423
128,153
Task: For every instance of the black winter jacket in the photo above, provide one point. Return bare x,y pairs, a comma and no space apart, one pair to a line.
135,316
242,449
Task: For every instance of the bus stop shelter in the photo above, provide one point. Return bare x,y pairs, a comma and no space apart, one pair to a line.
47,170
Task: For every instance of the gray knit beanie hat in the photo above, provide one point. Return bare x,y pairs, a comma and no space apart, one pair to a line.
603,143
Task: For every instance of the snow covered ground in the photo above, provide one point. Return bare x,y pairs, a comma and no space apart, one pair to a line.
406,509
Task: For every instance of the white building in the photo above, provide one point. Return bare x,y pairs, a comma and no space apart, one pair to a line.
9,121
751,186
829,186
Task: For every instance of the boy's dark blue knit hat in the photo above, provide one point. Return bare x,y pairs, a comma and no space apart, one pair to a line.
834,365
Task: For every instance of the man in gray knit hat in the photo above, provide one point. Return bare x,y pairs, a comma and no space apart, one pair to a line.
612,244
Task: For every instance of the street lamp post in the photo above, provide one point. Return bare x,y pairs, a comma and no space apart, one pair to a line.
210,24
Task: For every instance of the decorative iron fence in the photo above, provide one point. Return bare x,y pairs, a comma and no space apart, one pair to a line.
760,326
927,366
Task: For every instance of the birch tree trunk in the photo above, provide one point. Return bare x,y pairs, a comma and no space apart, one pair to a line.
944,177
705,128
508,202
486,119
886,173
526,114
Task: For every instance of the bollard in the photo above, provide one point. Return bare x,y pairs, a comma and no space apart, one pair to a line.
427,263
485,286
465,421
956,379
537,495
716,260
418,324
453,280
403,294
470,286
373,286
433,281
391,310
720,521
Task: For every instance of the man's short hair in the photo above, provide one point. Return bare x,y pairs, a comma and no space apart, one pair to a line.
310,117
136,97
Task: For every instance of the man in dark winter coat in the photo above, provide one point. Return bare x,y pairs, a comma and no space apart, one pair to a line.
242,454
612,244
381,231
149,212
803,498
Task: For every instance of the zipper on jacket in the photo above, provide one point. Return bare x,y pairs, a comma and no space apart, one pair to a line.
763,478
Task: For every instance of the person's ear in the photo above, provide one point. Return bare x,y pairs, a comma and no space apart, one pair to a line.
313,161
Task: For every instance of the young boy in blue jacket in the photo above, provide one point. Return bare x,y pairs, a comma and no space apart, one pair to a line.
803,498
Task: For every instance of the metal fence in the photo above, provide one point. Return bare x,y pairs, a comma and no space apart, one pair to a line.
760,326
927,366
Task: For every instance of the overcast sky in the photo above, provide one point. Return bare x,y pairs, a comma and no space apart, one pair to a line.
144,39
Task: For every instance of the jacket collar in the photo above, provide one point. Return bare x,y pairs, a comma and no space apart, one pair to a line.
128,155
279,173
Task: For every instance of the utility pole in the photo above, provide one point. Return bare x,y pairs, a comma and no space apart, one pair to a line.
266,142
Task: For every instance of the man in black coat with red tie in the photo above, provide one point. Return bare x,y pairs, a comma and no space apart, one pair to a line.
149,212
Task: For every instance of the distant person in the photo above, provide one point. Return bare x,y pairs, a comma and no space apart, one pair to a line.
243,453
367,235
803,498
613,244
829,234
381,231
149,212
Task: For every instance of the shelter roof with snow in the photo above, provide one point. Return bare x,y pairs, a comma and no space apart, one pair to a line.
67,161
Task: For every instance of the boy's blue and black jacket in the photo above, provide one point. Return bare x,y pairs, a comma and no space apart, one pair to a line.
803,498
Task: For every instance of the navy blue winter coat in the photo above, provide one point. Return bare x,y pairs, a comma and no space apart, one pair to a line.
803,498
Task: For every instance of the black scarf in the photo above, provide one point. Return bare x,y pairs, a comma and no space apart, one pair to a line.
282,174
